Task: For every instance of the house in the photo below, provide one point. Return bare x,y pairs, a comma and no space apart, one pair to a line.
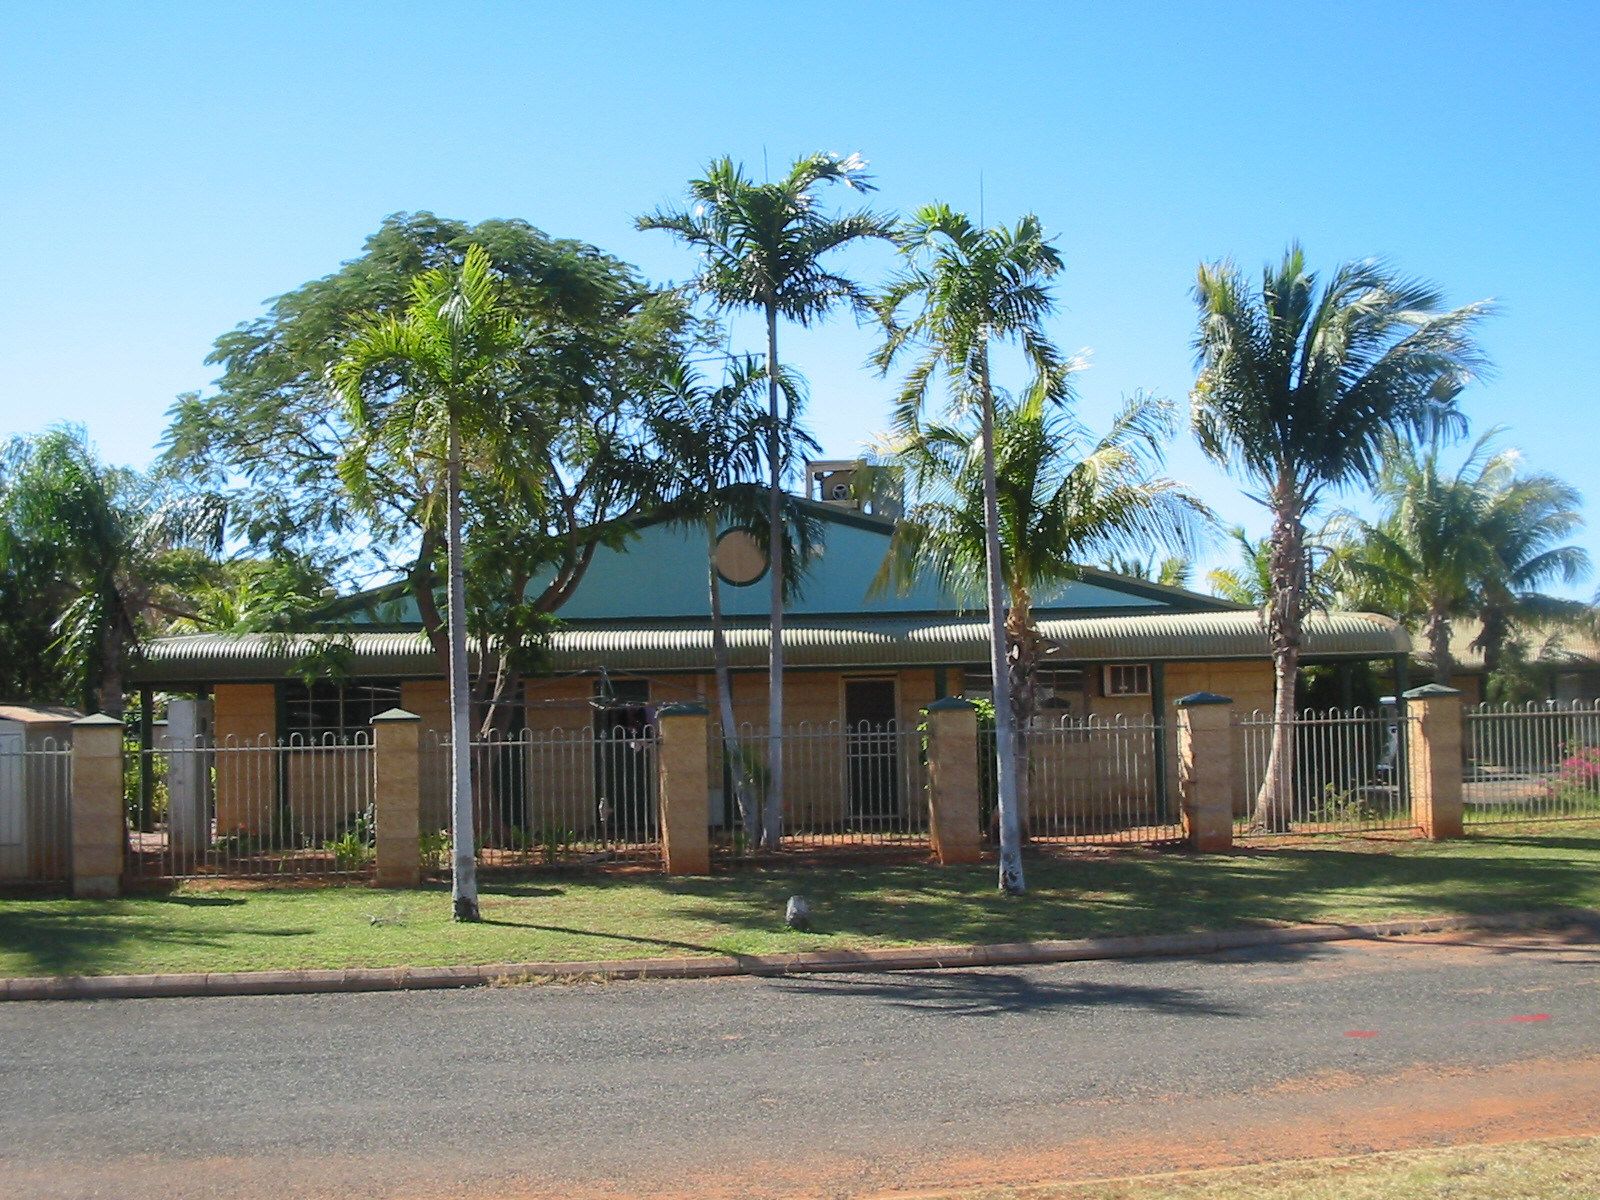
1564,664
636,635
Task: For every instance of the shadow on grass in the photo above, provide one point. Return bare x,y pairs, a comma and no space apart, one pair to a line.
57,938
1074,894
1121,893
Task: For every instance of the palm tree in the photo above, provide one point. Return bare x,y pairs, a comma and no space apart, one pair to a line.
1528,516
1249,580
713,441
1064,496
973,288
127,548
1297,387
1172,570
1476,542
762,248
442,372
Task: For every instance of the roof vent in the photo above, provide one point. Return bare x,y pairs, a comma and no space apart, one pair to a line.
842,483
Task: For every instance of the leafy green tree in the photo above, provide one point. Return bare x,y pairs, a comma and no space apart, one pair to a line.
124,547
1064,495
969,289
762,248
269,436
255,595
1473,543
713,441
1298,385
34,588
445,368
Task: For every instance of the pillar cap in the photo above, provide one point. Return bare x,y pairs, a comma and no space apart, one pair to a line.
683,709
1429,691
95,719
395,714
1200,699
952,704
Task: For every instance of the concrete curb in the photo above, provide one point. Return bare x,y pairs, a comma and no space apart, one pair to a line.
814,962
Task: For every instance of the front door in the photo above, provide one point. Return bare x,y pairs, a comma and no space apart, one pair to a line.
872,748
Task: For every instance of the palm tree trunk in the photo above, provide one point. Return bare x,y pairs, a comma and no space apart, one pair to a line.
110,690
1438,631
1011,881
772,816
1023,646
1285,612
464,856
749,811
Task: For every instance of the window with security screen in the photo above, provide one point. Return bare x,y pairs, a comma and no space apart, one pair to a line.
335,712
1127,679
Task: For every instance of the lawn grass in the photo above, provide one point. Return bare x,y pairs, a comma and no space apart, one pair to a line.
1555,1169
597,916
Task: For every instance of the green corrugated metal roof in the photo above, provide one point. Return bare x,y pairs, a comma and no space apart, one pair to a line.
854,642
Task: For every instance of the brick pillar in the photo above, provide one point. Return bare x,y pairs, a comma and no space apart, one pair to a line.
953,821
1433,759
1205,771
685,789
99,827
397,797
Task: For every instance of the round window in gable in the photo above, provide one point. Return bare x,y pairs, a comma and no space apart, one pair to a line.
739,558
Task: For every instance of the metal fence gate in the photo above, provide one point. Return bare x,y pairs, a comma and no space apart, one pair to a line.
549,797
301,807
846,787
1534,762
1349,773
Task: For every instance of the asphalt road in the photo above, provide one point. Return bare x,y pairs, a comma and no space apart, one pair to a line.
838,1086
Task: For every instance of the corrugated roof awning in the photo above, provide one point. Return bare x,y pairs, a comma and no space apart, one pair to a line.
845,642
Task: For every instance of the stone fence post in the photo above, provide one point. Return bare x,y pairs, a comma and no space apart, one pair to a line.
397,797
1433,759
1205,771
684,793
953,821
99,825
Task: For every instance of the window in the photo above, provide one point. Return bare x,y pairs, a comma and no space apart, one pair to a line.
1058,691
1127,679
335,712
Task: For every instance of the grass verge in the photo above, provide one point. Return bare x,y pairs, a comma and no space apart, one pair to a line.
573,917
1555,1169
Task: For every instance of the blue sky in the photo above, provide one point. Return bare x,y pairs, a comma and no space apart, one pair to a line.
167,168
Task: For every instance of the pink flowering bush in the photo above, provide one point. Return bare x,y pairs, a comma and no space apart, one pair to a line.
1577,779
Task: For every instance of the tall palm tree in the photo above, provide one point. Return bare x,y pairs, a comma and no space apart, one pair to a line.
1064,496
1298,384
1476,542
969,289
1528,516
713,441
127,547
762,247
430,387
